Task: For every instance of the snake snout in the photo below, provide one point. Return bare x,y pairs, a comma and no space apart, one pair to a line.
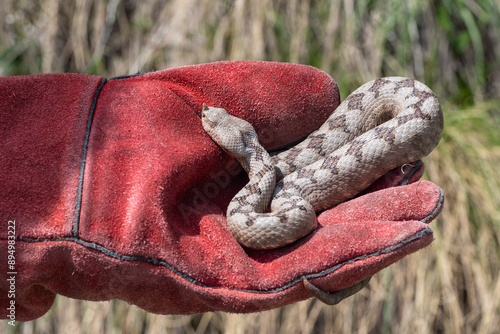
204,108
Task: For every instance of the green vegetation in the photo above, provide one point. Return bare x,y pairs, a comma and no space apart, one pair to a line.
453,46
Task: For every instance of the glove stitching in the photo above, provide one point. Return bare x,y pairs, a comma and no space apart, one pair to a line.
126,76
83,160
79,193
298,280
437,208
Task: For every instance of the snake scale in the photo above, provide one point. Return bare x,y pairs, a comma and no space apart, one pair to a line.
386,123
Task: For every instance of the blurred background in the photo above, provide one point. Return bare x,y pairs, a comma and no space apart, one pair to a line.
452,286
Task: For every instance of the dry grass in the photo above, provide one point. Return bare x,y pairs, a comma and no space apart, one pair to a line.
453,286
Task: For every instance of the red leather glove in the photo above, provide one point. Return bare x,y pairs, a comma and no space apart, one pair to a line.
115,191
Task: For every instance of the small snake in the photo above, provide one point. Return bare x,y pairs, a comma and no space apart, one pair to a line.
385,123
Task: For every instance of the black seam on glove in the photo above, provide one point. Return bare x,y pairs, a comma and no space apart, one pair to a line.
298,280
79,191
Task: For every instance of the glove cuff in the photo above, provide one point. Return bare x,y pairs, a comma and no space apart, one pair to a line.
45,122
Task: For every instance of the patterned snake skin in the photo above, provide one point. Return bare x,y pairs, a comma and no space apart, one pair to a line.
385,123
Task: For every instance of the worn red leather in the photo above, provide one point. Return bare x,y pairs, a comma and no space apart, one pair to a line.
116,191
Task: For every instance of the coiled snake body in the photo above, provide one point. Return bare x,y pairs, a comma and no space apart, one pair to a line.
385,123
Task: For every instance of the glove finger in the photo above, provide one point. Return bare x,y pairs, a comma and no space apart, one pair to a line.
264,93
419,201
399,176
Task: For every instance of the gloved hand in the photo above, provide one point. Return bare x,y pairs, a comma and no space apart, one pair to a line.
115,191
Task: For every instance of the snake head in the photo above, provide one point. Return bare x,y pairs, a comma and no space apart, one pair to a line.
234,135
